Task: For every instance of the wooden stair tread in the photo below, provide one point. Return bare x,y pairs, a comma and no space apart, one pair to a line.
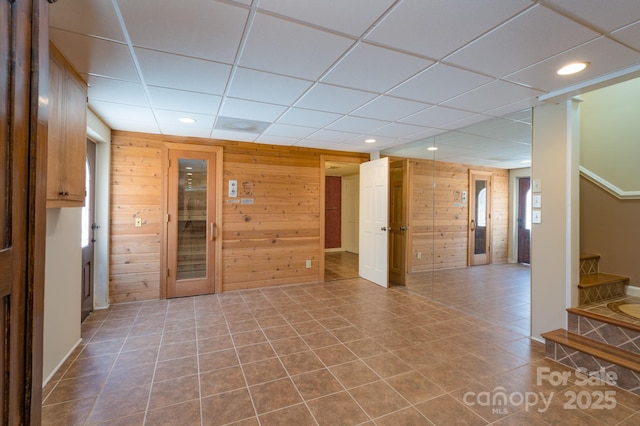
592,280
585,256
605,319
594,348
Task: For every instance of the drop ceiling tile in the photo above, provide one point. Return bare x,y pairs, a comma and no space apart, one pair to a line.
514,107
308,117
492,95
435,28
92,17
356,124
204,29
439,83
292,49
334,99
551,33
604,55
312,143
629,35
230,135
389,108
181,100
601,14
95,56
350,17
258,111
375,69
118,91
266,87
472,119
436,116
133,126
194,132
333,136
112,112
180,72
277,140
398,130
167,118
287,130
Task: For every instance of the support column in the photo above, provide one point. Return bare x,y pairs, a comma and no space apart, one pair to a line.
555,240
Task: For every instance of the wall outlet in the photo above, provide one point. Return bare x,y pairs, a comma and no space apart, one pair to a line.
138,222
308,264
419,255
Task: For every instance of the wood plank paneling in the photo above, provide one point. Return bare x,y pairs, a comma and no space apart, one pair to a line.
264,244
438,217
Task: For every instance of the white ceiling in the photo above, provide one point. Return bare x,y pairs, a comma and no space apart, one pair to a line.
332,73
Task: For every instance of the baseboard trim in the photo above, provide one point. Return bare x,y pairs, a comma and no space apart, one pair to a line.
633,291
64,359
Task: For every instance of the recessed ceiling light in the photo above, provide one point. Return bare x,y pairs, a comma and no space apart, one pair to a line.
186,120
370,141
432,148
573,68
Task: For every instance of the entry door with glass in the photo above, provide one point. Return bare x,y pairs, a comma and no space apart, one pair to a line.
479,217
191,229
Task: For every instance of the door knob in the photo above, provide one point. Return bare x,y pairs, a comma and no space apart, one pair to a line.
404,228
385,228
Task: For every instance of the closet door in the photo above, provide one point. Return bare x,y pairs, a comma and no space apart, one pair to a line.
192,229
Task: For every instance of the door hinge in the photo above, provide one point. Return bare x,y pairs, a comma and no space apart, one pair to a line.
168,273
168,164
168,217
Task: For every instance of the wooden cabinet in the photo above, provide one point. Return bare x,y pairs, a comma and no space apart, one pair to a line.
66,156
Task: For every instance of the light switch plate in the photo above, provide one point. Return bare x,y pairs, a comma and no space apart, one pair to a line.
536,216
536,201
233,188
536,186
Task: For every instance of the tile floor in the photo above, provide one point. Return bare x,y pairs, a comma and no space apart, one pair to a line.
340,265
341,353
499,293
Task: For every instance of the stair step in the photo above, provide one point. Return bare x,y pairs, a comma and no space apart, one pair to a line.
594,348
605,319
589,256
600,278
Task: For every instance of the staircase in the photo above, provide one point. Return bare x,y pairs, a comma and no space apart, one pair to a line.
594,341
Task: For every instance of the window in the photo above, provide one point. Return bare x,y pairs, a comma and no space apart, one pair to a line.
482,207
85,210
527,224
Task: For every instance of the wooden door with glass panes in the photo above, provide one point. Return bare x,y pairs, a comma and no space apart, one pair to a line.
193,225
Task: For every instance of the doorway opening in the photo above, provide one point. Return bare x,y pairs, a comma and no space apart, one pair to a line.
88,232
340,236
524,220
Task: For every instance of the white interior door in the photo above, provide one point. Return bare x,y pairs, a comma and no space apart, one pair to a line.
374,217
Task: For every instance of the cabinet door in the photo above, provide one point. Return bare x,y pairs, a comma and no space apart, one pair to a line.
74,149
55,168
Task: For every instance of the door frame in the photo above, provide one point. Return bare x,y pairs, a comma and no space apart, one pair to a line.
323,160
164,237
471,256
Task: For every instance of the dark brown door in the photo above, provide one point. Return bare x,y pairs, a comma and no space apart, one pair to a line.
22,212
333,212
524,232
88,232
398,221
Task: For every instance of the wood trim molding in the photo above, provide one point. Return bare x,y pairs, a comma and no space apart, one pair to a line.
608,186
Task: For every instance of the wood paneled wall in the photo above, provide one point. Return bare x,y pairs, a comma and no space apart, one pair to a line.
264,244
438,218
267,243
